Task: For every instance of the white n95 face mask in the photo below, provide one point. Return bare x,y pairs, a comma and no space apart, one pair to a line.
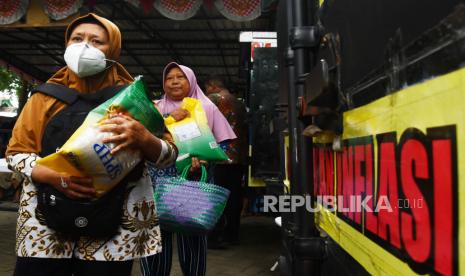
84,59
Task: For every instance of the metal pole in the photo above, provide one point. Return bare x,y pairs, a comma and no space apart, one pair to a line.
288,228
307,246
293,121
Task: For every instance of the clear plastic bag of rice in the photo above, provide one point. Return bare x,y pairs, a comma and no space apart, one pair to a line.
84,154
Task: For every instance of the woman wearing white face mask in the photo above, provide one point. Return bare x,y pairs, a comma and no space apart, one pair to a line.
93,46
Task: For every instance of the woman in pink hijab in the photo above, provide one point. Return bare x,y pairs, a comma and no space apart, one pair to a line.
179,82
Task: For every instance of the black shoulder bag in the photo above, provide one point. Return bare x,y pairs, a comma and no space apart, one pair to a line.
97,217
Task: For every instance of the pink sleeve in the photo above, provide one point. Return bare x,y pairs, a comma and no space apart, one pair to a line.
220,126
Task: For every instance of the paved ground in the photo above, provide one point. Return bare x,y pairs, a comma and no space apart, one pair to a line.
255,255
7,242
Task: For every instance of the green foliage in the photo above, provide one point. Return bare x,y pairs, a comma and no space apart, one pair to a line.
9,81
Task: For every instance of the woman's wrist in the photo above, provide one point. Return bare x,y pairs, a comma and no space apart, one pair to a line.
41,174
150,146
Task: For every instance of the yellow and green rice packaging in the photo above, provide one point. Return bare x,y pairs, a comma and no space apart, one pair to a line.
84,154
193,136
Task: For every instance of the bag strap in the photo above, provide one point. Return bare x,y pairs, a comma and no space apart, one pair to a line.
69,95
58,91
203,177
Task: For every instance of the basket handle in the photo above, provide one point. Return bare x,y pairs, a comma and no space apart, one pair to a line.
203,177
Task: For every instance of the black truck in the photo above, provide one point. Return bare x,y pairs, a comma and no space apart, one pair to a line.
375,93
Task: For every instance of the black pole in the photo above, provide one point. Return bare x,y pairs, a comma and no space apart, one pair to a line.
293,114
307,246
287,85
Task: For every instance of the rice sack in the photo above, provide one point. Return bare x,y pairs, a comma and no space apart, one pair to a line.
84,154
193,136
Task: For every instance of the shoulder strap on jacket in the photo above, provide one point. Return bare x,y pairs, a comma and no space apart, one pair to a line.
58,91
69,95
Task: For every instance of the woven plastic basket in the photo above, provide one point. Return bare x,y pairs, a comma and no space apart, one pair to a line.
186,206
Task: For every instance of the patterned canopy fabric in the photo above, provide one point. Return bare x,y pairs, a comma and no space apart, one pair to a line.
239,10
60,9
236,10
178,9
12,11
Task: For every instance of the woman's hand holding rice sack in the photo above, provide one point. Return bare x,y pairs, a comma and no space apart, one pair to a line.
129,134
74,187
179,114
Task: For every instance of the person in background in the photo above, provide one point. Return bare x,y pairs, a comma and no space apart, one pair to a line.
40,249
16,180
229,174
10,186
180,82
